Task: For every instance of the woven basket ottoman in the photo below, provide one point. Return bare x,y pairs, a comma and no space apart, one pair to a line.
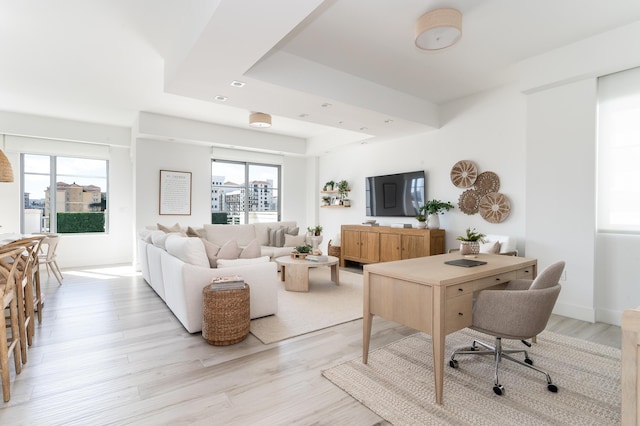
225,315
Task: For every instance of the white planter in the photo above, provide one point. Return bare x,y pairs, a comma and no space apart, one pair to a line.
433,221
422,225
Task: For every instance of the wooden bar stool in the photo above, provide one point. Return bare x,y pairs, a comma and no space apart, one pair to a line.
8,294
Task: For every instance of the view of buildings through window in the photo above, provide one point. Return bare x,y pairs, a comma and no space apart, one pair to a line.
79,202
244,192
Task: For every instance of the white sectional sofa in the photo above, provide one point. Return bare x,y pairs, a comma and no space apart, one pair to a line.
177,267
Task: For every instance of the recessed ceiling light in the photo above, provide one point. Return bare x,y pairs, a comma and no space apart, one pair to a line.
363,128
388,121
221,98
326,105
303,115
236,83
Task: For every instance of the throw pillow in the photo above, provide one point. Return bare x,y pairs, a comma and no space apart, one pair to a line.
228,263
294,240
189,250
293,230
229,250
191,232
251,251
174,228
158,238
211,250
276,237
490,247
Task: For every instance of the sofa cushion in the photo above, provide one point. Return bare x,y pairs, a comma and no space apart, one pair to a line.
490,247
158,238
250,251
211,250
228,263
189,250
220,234
294,240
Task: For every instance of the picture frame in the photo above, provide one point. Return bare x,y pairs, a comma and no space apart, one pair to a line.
175,193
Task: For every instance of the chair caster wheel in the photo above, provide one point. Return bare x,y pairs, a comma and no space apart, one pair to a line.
453,363
498,389
552,388
528,361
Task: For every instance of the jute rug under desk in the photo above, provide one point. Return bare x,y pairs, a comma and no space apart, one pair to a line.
397,384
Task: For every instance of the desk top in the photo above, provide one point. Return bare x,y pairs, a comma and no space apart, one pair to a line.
432,270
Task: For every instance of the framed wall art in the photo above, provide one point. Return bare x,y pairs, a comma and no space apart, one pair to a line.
175,193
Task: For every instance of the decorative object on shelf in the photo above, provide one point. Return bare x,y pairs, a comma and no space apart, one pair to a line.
494,207
343,188
326,200
301,252
487,182
328,186
314,230
432,208
464,173
470,242
469,201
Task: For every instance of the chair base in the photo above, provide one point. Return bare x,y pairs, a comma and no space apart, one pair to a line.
498,353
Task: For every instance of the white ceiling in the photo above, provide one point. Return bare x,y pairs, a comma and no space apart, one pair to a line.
104,61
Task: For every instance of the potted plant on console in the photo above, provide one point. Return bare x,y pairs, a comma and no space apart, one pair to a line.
470,242
429,213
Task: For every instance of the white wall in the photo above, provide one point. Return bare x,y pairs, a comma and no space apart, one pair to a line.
560,190
487,129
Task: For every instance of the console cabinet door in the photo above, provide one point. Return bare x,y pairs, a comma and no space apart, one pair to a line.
390,247
370,246
413,246
351,244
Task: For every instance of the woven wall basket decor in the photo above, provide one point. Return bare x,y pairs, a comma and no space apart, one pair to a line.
464,173
487,182
469,201
494,207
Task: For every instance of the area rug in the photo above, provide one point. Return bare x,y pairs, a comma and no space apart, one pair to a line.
397,384
325,305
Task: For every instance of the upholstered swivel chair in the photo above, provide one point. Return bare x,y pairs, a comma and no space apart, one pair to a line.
520,311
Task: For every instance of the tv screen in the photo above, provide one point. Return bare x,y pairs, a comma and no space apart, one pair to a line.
400,194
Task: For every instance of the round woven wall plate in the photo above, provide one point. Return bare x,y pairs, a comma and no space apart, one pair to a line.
487,182
469,201
494,207
464,173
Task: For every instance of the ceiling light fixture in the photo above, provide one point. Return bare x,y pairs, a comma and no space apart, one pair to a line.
236,83
438,29
259,120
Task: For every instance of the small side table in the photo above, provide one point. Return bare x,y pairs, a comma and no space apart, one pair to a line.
225,315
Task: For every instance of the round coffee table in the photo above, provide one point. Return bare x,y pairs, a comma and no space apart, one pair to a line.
295,272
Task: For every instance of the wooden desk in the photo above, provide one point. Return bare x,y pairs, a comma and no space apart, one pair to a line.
432,297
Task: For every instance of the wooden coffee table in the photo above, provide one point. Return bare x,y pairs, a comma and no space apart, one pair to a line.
295,272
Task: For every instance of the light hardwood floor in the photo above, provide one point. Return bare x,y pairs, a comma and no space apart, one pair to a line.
109,352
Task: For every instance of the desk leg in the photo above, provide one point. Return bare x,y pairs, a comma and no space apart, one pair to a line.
438,364
367,318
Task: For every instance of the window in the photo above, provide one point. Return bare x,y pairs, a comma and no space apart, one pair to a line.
618,196
244,192
77,205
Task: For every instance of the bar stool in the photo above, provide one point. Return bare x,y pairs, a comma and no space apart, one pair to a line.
24,289
8,295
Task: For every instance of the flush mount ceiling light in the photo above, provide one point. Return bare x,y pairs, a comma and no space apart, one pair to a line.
260,120
438,29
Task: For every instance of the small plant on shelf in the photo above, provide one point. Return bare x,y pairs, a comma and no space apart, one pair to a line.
328,186
326,200
314,230
343,188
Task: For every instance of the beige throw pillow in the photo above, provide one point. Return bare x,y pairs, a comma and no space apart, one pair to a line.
294,240
174,228
490,247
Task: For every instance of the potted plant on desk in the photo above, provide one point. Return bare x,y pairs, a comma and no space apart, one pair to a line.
470,242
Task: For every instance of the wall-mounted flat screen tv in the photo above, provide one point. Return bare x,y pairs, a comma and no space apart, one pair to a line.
400,194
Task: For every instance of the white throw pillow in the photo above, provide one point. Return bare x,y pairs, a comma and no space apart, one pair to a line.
490,247
294,240
229,250
251,251
189,250
158,238
228,263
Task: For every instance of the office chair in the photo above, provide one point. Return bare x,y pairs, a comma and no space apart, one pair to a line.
518,312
